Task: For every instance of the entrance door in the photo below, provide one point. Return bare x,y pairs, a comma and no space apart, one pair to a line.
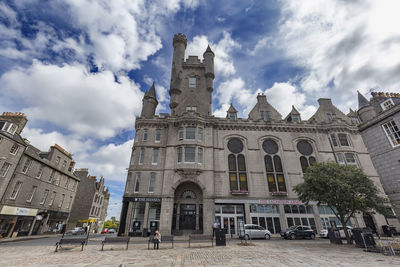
187,218
229,223
369,222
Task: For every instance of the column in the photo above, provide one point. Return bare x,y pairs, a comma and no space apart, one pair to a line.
208,216
146,216
167,206
317,218
282,216
198,216
44,223
128,219
33,225
247,216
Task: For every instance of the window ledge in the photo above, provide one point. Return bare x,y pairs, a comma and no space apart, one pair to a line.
239,192
279,193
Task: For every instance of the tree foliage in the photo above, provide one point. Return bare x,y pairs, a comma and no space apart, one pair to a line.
111,224
346,188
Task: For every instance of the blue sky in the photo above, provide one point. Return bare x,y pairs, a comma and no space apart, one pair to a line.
78,68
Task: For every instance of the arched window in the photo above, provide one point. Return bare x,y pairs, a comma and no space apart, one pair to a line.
273,167
305,148
237,166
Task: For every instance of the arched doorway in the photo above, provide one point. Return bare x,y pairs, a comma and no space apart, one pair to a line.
188,209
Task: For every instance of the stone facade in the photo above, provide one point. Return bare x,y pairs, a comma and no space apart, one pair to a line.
38,188
189,169
380,131
91,202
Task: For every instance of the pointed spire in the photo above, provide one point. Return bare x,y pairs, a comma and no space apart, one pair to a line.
208,50
152,91
232,109
362,101
294,110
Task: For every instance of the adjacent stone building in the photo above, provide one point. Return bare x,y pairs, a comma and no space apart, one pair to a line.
91,202
189,168
380,122
36,188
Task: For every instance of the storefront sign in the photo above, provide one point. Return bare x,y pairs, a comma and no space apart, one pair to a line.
147,199
9,210
265,201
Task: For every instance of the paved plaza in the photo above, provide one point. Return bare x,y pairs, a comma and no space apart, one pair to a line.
274,252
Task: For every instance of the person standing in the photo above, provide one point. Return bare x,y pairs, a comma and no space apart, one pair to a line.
215,227
157,239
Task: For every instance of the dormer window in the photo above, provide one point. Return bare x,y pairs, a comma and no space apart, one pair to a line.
10,127
192,82
387,104
265,115
232,116
191,108
355,120
295,117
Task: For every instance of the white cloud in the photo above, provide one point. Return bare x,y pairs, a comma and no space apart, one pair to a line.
223,61
86,104
344,46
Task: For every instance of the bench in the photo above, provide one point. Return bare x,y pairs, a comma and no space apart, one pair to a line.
114,240
164,239
71,241
201,238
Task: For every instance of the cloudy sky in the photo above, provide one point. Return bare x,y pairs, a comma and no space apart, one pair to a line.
78,68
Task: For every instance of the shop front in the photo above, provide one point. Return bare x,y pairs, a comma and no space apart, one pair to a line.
228,216
16,221
55,221
145,215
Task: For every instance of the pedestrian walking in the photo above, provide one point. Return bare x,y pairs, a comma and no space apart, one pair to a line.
215,227
156,239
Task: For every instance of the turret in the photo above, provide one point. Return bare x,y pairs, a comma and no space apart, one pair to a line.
149,103
209,71
179,43
365,110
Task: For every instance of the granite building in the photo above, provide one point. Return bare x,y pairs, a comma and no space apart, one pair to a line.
91,202
36,188
380,122
189,168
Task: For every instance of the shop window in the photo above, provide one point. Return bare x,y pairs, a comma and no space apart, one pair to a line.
137,221
287,209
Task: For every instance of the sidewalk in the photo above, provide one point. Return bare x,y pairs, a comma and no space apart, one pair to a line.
24,238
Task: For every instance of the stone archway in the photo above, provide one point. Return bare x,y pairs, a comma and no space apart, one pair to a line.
188,208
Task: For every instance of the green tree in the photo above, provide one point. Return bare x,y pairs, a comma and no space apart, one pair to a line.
345,188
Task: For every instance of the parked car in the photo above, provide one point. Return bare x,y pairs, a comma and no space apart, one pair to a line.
252,231
105,231
77,231
324,232
298,231
111,231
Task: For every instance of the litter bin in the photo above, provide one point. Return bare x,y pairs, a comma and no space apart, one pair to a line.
145,232
220,238
387,231
364,237
334,236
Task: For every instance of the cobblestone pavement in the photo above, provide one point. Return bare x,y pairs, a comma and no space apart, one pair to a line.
274,252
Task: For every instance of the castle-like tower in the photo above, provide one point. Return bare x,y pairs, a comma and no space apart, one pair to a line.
189,168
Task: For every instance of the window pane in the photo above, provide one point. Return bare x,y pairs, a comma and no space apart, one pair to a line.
155,156
304,221
268,163
290,222
233,181
152,182
277,225
334,141
190,133
179,154
200,134
137,184
297,221
295,209
254,220
350,159
340,158
158,135
141,158
271,183
302,209
180,133
192,82
281,183
190,154
241,163
304,163
287,209
243,181
278,164
145,135
343,139
200,155
232,162
311,160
